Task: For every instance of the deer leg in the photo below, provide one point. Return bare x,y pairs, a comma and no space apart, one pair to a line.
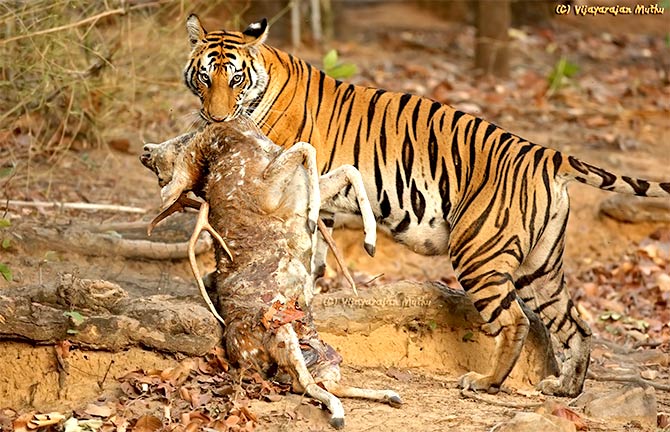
202,223
332,199
387,396
282,169
285,348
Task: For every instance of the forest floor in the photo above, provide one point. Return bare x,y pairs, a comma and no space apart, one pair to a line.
613,112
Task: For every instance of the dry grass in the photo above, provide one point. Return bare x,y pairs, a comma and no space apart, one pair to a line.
75,73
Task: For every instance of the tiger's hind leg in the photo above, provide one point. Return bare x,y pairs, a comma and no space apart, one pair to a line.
541,285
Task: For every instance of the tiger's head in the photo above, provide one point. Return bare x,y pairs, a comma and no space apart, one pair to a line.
224,70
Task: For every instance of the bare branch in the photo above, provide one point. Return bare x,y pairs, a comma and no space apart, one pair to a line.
74,205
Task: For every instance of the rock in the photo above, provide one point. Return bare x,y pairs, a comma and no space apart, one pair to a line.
634,209
526,421
629,403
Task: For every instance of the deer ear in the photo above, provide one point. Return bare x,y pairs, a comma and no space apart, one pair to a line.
196,31
256,33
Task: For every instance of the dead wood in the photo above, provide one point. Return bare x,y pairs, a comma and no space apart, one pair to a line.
103,316
115,320
128,240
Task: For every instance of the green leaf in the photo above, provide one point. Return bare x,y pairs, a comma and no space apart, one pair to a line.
6,243
4,223
51,256
432,324
75,316
6,171
6,272
343,71
468,337
330,60
563,69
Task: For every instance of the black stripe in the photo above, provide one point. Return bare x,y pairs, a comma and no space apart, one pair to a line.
385,206
432,152
402,226
481,304
357,143
418,202
505,303
379,182
407,157
639,186
404,99
578,165
399,186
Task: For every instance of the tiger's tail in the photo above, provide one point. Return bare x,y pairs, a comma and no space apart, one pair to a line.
603,179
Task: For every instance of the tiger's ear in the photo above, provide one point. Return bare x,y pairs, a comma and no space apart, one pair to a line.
196,32
256,33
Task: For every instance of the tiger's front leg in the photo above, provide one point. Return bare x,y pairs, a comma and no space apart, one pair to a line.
495,299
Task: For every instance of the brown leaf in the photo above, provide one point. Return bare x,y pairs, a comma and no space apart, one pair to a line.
20,423
147,423
405,376
63,348
42,420
568,414
99,410
232,420
120,144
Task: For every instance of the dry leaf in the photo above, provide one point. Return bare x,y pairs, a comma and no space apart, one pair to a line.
42,420
568,414
232,420
147,423
405,376
98,410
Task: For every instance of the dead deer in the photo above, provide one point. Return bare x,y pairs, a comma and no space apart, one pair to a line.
263,202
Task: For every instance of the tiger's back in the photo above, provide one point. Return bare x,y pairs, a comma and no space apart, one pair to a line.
439,180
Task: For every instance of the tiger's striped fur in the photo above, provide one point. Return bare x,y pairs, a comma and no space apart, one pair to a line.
440,181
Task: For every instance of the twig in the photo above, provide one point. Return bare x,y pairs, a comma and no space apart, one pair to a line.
75,206
338,255
118,11
474,395
636,379
66,26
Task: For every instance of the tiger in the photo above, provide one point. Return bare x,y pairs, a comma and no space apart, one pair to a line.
440,181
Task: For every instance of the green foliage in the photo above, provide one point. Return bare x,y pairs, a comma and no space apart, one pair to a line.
335,69
6,243
76,319
6,272
468,337
562,71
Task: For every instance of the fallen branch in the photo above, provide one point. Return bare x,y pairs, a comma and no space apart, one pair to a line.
635,379
75,206
497,402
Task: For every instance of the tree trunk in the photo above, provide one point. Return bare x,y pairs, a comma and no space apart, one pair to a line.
492,50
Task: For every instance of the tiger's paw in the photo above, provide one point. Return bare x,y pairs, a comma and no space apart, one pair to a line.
553,386
478,382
